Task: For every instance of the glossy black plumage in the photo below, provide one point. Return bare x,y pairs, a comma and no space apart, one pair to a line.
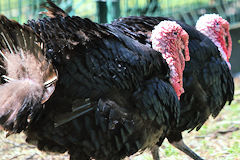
112,98
208,83
207,80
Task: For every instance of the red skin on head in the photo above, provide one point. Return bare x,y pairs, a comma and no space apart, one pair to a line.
217,29
225,33
170,39
221,34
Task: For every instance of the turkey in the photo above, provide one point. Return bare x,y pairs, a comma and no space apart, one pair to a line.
207,80
74,85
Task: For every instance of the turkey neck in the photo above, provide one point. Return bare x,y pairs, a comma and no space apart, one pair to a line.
224,43
176,62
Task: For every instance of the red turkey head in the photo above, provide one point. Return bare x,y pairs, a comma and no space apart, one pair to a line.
217,29
171,40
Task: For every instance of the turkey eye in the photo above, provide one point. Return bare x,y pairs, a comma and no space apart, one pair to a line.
217,23
175,33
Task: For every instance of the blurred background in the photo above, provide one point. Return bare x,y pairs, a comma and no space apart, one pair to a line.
218,139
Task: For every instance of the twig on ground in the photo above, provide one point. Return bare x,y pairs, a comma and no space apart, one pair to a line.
229,130
31,156
215,135
15,157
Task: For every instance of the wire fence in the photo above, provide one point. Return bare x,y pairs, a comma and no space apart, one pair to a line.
22,10
107,10
185,10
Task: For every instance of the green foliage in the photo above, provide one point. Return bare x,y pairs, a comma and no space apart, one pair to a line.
21,10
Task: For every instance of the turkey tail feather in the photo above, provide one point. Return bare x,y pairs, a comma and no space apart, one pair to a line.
29,77
18,100
53,10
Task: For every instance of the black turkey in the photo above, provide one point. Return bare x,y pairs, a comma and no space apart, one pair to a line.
112,94
207,80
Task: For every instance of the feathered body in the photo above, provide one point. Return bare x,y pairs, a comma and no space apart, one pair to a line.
207,81
96,64
114,80
112,97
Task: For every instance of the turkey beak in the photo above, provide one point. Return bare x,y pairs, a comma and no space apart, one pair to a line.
185,37
228,39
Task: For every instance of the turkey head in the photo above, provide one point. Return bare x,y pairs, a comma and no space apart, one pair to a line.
171,40
217,29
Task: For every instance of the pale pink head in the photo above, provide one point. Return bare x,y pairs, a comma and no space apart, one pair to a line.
217,29
171,40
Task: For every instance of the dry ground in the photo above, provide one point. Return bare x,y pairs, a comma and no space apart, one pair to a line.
218,139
